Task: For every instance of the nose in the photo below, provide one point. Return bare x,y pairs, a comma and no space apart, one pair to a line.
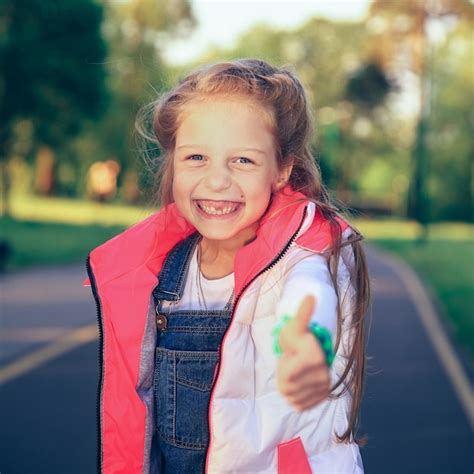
218,177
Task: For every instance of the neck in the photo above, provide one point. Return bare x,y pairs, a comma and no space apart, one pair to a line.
223,252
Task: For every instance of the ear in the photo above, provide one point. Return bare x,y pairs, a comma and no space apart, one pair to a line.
283,177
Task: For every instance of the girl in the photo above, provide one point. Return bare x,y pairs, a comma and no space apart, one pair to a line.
187,299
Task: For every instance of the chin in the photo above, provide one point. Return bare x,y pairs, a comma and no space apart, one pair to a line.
216,235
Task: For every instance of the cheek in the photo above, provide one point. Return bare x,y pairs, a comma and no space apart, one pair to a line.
181,185
181,197
175,188
259,197
259,186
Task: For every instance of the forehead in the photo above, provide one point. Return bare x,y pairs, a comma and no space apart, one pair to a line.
230,119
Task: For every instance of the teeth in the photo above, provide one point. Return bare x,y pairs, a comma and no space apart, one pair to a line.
218,212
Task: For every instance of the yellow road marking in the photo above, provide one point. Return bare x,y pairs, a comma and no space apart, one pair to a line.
33,334
65,343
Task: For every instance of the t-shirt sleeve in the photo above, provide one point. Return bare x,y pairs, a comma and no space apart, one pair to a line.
310,276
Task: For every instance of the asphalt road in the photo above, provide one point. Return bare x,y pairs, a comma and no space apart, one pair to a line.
410,412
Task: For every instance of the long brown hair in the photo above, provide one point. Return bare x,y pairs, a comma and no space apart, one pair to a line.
280,96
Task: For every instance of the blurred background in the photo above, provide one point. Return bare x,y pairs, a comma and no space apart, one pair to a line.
390,84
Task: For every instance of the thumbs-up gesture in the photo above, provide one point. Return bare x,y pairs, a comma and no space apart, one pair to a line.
302,372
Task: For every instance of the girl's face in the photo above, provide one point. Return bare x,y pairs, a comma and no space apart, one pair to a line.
225,169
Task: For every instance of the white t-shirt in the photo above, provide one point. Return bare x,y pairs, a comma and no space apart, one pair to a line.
216,292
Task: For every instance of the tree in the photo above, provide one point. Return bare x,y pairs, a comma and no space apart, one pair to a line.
400,30
52,73
451,124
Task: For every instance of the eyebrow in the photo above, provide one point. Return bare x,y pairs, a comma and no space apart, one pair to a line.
239,149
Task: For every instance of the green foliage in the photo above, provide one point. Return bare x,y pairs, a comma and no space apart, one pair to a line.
368,85
362,146
51,59
411,30
451,180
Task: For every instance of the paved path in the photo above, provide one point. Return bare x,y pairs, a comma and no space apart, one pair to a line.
41,305
48,413
411,412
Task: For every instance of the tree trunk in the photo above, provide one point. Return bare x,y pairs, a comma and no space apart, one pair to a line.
5,184
4,174
44,175
417,200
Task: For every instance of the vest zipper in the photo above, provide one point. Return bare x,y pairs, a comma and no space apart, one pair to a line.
218,368
101,362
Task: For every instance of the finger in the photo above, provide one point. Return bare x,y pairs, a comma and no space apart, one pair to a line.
311,380
308,403
290,382
295,375
290,338
307,396
297,370
291,333
287,340
304,313
282,372
309,356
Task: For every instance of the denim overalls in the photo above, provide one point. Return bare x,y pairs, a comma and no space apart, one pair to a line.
185,360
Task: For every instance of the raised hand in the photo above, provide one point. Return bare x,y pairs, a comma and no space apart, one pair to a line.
302,372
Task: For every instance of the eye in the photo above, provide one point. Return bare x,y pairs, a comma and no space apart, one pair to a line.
244,158
192,156
200,158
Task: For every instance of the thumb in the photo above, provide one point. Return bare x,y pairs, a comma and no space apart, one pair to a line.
305,311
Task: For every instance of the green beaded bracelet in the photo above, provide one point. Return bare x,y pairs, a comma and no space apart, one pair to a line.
322,334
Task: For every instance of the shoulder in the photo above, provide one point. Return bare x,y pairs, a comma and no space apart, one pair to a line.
304,267
318,233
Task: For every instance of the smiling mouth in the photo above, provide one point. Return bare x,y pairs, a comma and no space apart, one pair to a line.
218,208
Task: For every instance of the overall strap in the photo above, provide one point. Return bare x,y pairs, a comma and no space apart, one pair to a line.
172,276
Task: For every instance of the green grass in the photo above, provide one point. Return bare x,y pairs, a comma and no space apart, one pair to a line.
446,267
406,230
74,211
48,230
48,243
